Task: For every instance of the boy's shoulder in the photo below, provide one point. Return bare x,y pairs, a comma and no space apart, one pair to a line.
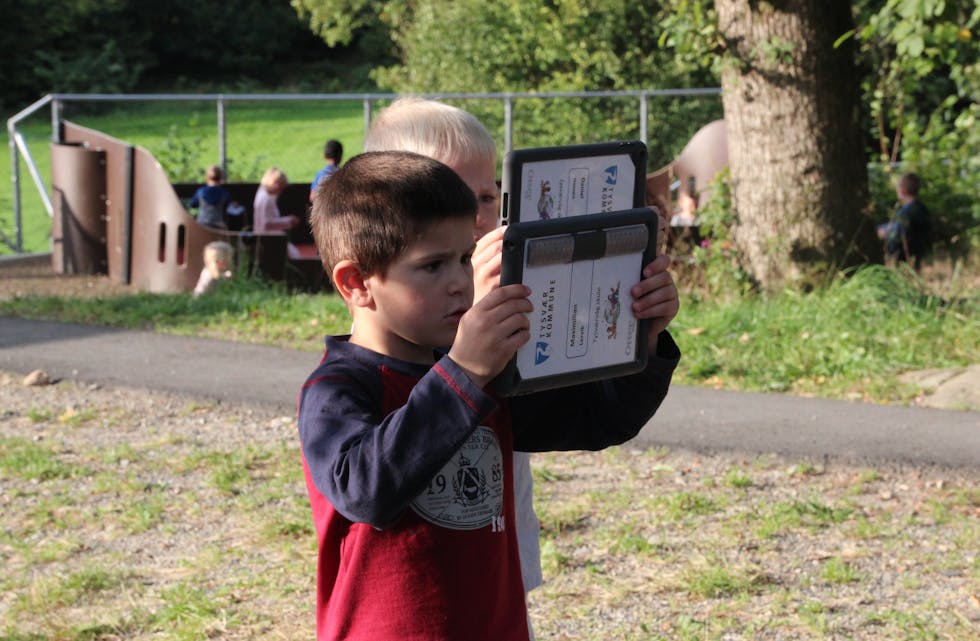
343,359
345,363
351,376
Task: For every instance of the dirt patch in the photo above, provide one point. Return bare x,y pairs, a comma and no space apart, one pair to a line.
33,276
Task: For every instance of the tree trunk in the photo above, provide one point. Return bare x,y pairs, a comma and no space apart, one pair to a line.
798,172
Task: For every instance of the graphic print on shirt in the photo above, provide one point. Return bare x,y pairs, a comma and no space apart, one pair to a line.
468,491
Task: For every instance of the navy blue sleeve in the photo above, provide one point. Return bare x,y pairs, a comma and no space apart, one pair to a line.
196,198
595,415
369,466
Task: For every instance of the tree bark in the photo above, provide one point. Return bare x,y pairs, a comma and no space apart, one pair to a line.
798,172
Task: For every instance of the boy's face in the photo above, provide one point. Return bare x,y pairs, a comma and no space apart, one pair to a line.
417,305
481,177
216,263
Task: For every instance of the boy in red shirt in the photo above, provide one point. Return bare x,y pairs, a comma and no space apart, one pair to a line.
406,450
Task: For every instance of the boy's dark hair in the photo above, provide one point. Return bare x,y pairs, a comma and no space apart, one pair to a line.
379,202
215,173
333,150
910,183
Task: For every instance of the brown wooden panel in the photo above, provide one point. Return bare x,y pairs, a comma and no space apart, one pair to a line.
78,229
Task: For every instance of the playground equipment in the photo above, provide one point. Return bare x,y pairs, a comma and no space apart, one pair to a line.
689,177
116,212
692,171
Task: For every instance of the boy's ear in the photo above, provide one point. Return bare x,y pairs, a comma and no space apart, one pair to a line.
349,281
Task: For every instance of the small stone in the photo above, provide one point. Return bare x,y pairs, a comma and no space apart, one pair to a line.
36,378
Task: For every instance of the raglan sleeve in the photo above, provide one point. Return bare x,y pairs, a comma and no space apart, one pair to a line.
370,466
595,415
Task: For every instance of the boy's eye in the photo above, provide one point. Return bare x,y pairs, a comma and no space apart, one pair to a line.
432,267
466,259
488,198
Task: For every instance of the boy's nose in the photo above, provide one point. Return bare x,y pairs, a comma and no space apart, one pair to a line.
461,279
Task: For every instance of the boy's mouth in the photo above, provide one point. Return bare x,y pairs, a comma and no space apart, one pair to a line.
457,313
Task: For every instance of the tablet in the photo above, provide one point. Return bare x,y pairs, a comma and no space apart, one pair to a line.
580,271
557,182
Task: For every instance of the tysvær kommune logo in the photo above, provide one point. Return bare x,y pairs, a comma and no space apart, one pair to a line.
611,172
545,324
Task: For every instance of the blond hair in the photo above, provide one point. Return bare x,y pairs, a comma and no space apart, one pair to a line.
215,251
431,128
273,176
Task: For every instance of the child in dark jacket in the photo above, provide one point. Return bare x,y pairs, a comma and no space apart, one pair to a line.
212,200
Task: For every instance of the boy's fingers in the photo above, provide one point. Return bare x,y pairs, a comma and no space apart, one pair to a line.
657,265
490,243
501,294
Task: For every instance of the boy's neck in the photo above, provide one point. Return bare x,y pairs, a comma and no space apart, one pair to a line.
390,345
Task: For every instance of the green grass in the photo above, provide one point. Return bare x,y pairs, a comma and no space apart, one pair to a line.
240,309
22,458
849,340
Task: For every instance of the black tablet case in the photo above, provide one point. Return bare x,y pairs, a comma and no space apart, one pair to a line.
566,326
557,182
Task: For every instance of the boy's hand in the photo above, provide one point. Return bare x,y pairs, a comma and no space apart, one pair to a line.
491,331
655,297
486,263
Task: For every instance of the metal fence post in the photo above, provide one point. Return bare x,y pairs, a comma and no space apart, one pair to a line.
643,118
56,121
508,123
15,178
222,138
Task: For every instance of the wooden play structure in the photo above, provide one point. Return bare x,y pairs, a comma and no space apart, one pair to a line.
116,213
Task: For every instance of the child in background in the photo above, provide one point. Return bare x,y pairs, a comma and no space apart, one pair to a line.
907,236
265,210
458,139
333,153
212,199
217,263
407,455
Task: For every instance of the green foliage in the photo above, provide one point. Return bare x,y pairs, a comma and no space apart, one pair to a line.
817,343
713,270
549,47
180,155
103,70
118,45
338,22
922,90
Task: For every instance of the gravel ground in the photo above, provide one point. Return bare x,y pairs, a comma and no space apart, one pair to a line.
637,544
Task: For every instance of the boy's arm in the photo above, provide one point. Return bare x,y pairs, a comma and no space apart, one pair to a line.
595,415
371,467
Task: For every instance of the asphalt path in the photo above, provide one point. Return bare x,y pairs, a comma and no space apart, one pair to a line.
690,418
